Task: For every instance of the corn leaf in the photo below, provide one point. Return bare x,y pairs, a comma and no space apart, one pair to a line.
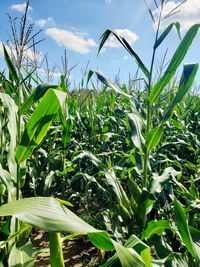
10,110
121,196
39,123
48,214
195,234
11,66
135,122
187,79
21,257
156,227
166,32
153,138
37,93
105,81
175,62
126,45
183,228
135,243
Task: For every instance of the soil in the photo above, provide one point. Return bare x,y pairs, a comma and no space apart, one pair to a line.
78,252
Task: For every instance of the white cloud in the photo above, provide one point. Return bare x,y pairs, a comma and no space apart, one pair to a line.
44,22
53,74
130,37
71,40
20,7
189,13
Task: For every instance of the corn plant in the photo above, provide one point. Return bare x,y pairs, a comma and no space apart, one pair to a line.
112,144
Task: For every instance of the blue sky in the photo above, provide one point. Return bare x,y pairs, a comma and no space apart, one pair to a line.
76,25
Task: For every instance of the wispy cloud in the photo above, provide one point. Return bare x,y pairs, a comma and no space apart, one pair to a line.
71,40
188,13
108,1
44,22
130,36
20,7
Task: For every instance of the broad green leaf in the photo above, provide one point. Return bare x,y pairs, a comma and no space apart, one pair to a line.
175,62
183,228
153,138
173,259
158,181
146,256
101,241
135,122
126,45
156,227
166,32
105,81
46,213
134,190
187,79
37,93
121,196
91,156
39,123
26,228
195,234
10,112
7,179
50,215
128,256
21,257
10,65
135,243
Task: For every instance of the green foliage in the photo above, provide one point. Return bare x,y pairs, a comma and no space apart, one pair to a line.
128,158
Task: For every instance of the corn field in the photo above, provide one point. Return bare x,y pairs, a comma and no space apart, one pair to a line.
119,165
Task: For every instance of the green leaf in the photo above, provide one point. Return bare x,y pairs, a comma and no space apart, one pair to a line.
21,257
166,32
173,259
195,234
134,190
10,65
135,122
156,227
135,243
105,81
183,227
187,79
159,181
175,62
10,113
46,213
128,256
88,154
126,45
37,93
39,123
50,215
7,179
153,137
121,196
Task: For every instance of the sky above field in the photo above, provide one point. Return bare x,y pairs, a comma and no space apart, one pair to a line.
76,25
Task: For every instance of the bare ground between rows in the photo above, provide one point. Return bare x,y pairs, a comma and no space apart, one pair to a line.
78,252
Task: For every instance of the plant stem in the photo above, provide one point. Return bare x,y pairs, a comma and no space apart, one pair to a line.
18,140
148,125
56,255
